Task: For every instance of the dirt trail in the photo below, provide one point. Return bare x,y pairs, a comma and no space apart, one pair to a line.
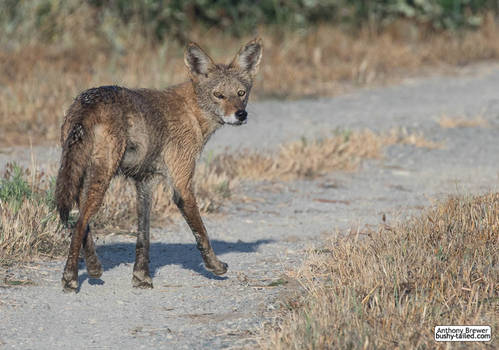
267,233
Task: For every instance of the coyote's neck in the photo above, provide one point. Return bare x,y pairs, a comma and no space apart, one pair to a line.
206,123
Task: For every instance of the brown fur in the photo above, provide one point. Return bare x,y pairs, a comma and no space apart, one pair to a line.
145,134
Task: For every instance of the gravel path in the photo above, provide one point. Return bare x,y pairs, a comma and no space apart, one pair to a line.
266,229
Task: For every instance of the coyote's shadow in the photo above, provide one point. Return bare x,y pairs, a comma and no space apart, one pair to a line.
162,254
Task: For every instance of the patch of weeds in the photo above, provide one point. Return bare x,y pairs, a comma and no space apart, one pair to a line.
29,225
13,186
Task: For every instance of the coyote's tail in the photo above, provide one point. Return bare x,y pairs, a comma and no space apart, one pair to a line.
75,158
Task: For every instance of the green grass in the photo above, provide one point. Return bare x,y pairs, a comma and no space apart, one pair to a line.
13,187
29,224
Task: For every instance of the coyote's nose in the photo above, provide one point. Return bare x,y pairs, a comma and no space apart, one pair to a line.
241,115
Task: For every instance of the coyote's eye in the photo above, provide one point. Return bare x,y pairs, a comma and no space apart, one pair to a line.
241,93
218,95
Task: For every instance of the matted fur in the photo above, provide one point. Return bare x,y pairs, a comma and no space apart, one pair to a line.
147,135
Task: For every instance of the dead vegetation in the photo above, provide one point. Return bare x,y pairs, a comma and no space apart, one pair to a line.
447,122
217,177
38,82
388,289
405,137
29,224
303,158
119,210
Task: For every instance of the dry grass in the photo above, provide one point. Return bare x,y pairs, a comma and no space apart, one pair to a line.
304,158
390,288
33,231
416,139
460,122
217,178
29,223
38,82
119,209
29,226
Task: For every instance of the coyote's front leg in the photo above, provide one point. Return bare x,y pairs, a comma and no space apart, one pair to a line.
186,202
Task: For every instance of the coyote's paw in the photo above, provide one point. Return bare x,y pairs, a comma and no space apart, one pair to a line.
141,280
69,283
219,268
94,267
94,272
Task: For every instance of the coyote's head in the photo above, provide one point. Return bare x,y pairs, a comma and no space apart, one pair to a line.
222,90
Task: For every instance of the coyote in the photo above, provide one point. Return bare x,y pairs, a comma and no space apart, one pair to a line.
147,134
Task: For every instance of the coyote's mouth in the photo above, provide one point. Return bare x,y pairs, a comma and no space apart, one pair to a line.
238,123
232,120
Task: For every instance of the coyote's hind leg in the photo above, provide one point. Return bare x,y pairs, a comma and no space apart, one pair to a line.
94,267
107,152
141,277
95,195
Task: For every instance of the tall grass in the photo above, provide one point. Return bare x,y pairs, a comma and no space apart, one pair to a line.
388,289
39,81
29,226
50,50
217,178
29,223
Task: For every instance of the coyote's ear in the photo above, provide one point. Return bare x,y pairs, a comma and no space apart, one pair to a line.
249,56
197,61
